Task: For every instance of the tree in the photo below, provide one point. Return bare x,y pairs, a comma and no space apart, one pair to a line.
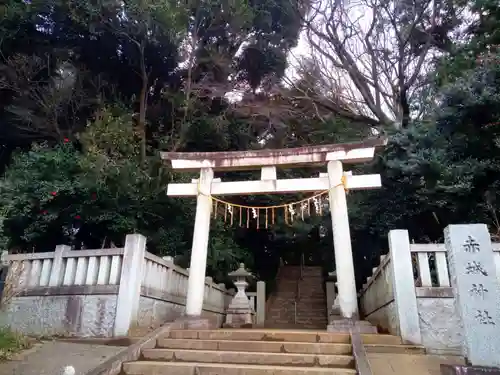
444,171
376,53
138,26
45,102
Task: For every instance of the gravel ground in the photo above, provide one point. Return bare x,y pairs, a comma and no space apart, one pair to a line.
50,358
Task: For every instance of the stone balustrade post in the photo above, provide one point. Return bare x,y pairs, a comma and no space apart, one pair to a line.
56,274
405,298
260,317
130,283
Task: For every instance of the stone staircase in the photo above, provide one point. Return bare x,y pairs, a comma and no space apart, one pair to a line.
311,302
255,352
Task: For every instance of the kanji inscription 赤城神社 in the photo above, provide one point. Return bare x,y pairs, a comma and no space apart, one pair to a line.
483,317
475,268
471,245
476,291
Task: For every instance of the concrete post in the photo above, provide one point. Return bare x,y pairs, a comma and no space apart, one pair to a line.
130,283
344,264
199,250
403,285
260,318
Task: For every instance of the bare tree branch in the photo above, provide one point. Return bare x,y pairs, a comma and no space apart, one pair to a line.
380,50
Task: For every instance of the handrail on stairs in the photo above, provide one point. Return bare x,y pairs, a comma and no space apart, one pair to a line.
269,302
297,290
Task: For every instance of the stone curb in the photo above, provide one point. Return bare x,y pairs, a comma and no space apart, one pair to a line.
113,365
358,351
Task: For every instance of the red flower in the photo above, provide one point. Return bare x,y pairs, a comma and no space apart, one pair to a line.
54,193
44,212
78,217
94,196
66,140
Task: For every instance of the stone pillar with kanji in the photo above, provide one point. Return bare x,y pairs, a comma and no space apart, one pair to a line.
477,297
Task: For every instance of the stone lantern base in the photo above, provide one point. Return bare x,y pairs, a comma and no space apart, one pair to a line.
239,318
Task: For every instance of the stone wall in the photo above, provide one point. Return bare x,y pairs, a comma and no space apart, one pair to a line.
154,311
103,292
62,315
440,326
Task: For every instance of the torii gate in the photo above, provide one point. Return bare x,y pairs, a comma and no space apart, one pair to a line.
332,155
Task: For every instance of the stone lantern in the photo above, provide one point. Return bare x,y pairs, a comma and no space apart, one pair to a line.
240,313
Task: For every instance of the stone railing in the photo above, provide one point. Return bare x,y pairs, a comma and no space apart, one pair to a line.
431,268
377,297
103,292
409,294
65,269
163,281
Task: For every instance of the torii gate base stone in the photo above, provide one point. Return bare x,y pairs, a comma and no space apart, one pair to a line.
267,160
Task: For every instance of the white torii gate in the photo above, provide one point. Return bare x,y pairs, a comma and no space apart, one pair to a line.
332,155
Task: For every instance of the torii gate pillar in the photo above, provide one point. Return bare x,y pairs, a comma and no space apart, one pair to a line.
332,155
344,266
199,250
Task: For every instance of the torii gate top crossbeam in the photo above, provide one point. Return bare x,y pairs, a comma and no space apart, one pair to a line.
355,152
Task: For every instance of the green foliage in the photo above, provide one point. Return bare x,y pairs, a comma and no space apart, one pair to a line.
11,343
94,197
444,171
33,183
91,91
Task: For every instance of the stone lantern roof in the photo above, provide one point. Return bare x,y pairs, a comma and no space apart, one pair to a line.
241,272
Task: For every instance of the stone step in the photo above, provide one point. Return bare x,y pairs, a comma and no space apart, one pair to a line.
261,335
184,368
313,314
302,319
394,349
311,327
249,358
310,296
313,304
300,324
380,339
256,346
303,326
305,317
312,308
